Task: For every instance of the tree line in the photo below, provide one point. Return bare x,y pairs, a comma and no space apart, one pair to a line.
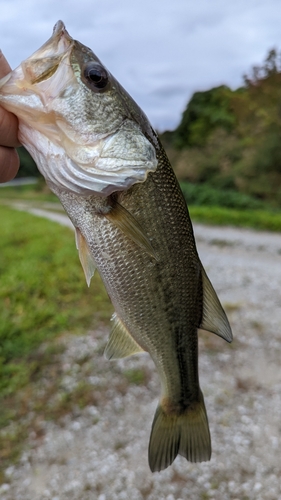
231,139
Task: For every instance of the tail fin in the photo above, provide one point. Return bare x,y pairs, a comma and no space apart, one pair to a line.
186,434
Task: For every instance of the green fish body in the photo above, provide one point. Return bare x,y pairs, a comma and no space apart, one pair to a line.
103,160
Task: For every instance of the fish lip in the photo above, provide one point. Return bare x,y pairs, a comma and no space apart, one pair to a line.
60,31
57,48
59,28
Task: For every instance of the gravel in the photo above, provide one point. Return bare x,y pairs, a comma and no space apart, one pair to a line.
100,452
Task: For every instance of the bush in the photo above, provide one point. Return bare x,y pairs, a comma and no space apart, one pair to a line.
204,195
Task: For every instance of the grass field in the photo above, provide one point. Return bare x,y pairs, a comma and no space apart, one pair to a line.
256,219
43,291
43,294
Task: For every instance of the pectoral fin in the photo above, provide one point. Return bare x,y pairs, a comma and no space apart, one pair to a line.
214,318
120,343
130,226
85,256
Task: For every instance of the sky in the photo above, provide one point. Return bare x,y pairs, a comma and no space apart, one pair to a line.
160,51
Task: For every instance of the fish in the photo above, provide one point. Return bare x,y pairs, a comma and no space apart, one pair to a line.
100,155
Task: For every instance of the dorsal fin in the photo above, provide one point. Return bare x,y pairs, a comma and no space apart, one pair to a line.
85,256
120,343
214,318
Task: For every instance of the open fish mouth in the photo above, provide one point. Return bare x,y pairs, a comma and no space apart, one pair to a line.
39,67
45,61
78,152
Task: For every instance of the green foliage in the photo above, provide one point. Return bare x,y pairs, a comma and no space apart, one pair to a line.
229,208
42,292
205,112
256,219
232,139
38,192
271,66
203,194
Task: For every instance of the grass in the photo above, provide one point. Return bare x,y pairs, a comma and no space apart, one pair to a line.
229,208
256,219
206,195
42,292
38,192
136,376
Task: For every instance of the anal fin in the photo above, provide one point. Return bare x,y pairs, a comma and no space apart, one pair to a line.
120,343
214,318
85,256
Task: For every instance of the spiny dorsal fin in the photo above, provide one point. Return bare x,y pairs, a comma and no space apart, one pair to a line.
214,318
120,343
130,226
85,256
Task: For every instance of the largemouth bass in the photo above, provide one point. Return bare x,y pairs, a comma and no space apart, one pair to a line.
101,157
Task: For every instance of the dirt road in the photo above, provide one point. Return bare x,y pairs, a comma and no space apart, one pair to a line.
100,452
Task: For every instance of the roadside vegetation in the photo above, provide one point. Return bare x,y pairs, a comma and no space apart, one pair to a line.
43,295
230,208
229,140
43,292
206,205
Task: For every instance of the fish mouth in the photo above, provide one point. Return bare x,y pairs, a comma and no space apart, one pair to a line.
31,75
45,61
45,93
59,30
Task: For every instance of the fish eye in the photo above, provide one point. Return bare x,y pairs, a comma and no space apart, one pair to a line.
95,75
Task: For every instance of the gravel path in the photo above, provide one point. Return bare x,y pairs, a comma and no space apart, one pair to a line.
100,452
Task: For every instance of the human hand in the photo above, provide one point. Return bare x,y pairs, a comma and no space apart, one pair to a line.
9,160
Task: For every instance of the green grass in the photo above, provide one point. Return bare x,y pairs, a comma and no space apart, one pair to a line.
135,376
42,292
205,195
256,219
229,208
39,192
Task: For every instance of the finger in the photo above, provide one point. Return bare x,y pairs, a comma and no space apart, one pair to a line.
9,164
8,121
8,129
5,68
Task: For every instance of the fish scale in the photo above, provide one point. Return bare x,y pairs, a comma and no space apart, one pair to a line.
101,157
161,302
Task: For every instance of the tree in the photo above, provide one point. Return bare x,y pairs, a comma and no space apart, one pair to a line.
204,112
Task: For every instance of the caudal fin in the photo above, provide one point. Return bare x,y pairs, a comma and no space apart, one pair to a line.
186,434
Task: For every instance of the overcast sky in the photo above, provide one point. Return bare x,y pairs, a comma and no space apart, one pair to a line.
161,51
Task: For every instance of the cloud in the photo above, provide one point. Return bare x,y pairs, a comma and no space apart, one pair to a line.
160,51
